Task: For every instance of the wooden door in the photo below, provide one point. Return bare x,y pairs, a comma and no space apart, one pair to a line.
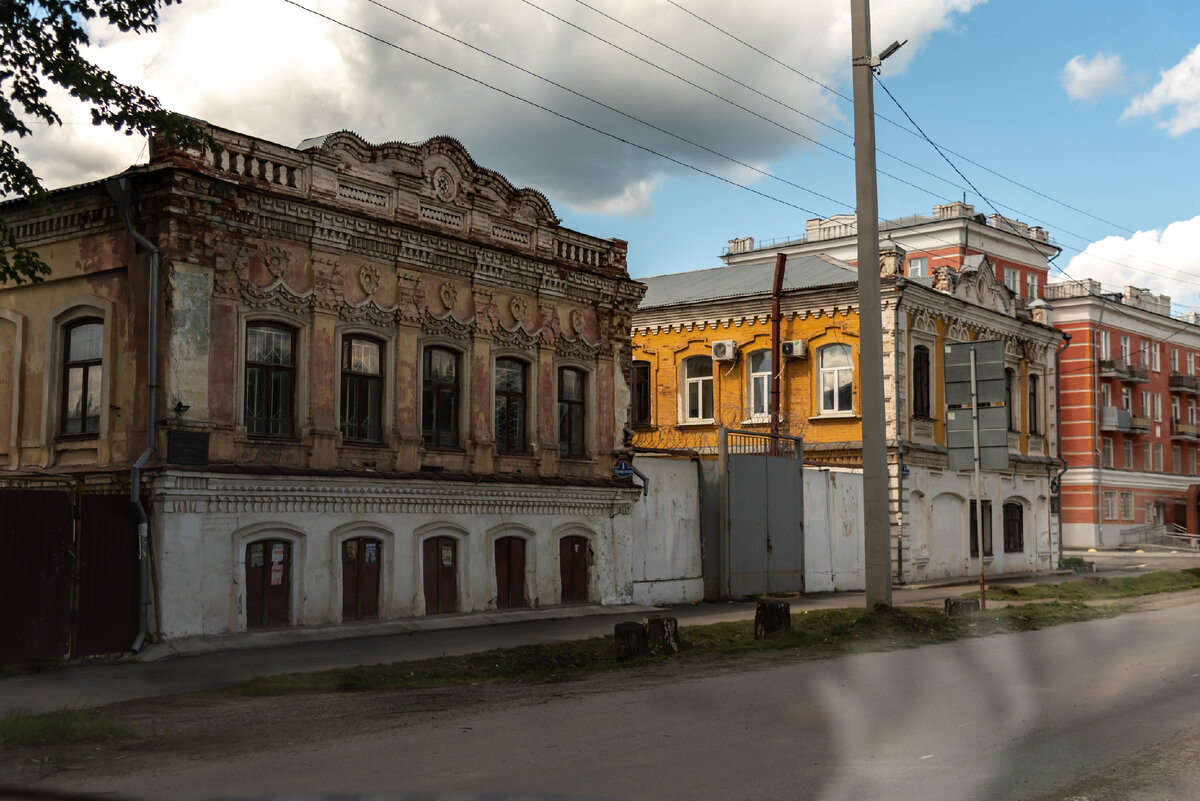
573,569
510,572
362,558
441,575
268,583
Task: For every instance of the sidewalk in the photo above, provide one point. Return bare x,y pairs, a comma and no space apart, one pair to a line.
200,664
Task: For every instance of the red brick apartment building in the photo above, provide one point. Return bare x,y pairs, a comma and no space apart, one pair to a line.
1129,389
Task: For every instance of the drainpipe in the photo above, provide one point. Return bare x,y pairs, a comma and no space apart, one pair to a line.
776,356
896,356
1062,464
119,190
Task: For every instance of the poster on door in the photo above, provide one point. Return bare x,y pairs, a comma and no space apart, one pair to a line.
276,574
277,551
370,553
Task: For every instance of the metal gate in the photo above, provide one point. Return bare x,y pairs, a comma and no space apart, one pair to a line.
761,485
65,555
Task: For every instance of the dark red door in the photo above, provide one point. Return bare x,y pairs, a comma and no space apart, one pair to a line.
441,575
510,572
361,558
268,583
108,575
573,566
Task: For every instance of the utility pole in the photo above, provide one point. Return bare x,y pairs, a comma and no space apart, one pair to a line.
877,533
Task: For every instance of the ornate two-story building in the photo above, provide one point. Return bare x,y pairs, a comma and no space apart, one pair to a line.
350,380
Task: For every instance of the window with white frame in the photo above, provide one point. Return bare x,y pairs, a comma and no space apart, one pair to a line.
1192,461
1127,453
1105,348
1158,457
1174,360
1126,399
1105,395
836,390
1155,356
1192,412
1126,505
1107,448
1110,505
698,389
1144,354
1146,456
1012,279
1175,418
918,267
1191,363
1125,349
758,385
1145,403
1157,407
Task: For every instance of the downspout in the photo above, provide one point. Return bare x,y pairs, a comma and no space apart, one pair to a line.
1062,464
776,356
119,190
900,284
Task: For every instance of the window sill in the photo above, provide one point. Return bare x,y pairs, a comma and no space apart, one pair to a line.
758,420
697,423
834,416
71,440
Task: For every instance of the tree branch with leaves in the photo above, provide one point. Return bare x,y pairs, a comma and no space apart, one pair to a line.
42,43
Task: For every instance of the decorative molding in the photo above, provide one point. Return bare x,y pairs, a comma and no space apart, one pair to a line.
518,307
577,349
445,326
369,312
277,260
442,216
445,187
517,338
448,295
368,278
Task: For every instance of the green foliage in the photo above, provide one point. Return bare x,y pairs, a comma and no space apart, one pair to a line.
1098,587
40,44
19,729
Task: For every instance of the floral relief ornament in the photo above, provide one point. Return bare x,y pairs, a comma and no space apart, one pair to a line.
368,278
444,185
448,294
277,261
518,308
578,321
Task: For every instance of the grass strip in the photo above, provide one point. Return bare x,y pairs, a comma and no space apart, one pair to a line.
1099,587
21,729
819,633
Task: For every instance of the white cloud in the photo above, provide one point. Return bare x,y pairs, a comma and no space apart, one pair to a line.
1166,262
1178,93
1091,78
272,70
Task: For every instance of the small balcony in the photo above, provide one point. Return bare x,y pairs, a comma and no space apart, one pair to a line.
1188,432
1139,425
1124,371
1114,419
1187,384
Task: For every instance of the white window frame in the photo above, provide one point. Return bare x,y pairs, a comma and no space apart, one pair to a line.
763,377
1105,395
1125,348
835,372
1105,346
1157,407
1174,360
1126,505
1110,504
701,383
1107,451
918,267
1127,399
1156,357
1158,457
1127,454
1031,286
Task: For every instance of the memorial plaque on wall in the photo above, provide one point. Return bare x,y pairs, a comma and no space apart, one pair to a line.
187,447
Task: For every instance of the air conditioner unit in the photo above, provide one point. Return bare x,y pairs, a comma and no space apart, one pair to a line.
797,349
724,350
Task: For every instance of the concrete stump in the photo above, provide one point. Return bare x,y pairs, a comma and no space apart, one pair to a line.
631,641
957,607
772,618
663,634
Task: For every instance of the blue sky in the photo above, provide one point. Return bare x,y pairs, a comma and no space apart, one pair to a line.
1082,117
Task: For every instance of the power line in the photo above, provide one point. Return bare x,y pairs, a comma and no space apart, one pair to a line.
548,110
608,107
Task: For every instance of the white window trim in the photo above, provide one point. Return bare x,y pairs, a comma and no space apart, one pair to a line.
685,387
820,372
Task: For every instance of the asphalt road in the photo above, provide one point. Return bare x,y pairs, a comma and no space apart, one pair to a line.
1033,716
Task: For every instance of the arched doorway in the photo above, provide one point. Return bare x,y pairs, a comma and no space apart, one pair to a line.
440,558
573,569
268,583
510,573
362,560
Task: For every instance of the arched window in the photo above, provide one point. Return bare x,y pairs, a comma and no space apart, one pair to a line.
439,397
1014,528
511,403
572,411
361,413
698,389
83,376
758,386
837,379
920,381
270,380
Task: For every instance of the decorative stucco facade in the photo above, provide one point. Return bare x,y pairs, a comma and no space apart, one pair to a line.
375,361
